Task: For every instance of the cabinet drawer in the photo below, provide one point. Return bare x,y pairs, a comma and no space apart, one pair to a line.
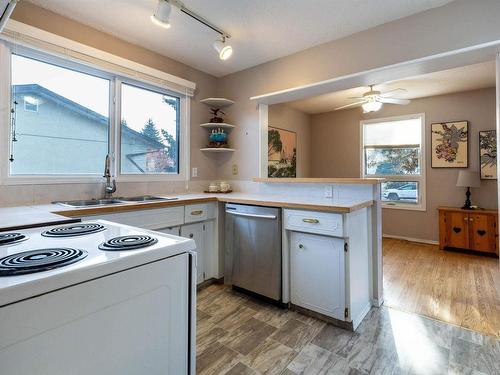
314,222
149,219
195,212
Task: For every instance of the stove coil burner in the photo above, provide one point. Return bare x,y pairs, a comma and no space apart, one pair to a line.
131,242
74,230
39,260
11,238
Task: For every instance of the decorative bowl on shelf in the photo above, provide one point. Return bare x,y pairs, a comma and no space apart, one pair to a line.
218,137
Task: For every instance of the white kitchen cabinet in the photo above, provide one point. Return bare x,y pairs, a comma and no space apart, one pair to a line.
174,231
317,273
326,263
197,232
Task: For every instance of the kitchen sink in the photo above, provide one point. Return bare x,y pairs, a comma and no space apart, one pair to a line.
90,202
147,198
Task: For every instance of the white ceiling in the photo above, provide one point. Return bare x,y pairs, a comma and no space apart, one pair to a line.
261,30
471,77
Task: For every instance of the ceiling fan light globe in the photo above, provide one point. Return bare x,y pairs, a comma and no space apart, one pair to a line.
371,106
162,14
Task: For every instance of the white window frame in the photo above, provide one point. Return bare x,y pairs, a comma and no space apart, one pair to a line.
421,179
6,49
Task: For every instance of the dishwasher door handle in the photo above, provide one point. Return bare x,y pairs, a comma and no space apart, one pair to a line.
260,216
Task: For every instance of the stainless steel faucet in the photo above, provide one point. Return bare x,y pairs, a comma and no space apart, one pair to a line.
110,186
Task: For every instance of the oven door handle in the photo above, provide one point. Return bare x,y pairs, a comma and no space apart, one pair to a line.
259,216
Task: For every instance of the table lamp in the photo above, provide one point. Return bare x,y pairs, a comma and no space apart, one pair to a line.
468,179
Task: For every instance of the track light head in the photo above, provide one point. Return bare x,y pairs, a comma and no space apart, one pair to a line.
225,50
162,14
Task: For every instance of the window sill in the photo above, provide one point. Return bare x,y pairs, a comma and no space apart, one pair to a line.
402,206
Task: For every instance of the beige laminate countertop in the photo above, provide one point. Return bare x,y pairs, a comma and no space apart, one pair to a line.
25,216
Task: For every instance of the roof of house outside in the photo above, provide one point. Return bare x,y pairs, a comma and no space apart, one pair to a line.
78,108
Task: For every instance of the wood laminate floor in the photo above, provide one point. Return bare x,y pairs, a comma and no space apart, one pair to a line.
240,335
457,288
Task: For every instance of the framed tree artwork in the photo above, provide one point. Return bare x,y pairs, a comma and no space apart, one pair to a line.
281,153
449,144
488,154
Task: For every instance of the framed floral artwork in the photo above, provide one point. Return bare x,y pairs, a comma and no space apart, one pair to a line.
449,144
488,154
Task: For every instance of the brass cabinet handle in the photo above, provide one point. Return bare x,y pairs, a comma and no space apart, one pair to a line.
197,212
311,221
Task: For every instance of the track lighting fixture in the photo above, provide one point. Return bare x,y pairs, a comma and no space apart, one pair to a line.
162,14
161,18
225,50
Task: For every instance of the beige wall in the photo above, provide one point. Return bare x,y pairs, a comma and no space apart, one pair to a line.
284,117
336,145
421,35
205,83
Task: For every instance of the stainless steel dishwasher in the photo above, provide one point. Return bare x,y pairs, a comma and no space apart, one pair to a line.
253,249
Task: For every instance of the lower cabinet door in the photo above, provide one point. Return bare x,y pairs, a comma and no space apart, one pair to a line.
317,277
483,234
457,229
197,233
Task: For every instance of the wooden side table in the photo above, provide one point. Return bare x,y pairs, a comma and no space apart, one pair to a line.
475,230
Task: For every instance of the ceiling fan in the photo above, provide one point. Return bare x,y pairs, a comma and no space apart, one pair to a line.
373,100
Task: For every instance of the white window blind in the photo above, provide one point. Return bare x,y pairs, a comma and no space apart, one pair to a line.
393,133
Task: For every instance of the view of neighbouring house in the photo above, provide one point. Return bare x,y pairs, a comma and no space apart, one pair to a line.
70,138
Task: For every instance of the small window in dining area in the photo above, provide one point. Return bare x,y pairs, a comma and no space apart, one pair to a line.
392,148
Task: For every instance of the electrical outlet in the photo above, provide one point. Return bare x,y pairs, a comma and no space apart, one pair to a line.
329,191
234,169
194,172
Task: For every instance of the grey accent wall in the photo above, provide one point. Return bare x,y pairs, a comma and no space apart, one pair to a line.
284,117
335,152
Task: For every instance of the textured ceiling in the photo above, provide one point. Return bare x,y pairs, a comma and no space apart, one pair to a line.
465,78
262,30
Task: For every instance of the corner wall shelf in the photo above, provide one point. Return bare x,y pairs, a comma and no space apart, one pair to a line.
217,149
217,102
215,125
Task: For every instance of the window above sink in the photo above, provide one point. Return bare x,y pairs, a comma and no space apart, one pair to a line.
66,117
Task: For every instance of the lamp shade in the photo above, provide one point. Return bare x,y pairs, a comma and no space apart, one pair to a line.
468,179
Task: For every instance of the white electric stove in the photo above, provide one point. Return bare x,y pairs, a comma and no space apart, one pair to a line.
96,298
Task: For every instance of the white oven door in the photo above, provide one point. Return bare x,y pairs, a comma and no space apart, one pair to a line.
134,322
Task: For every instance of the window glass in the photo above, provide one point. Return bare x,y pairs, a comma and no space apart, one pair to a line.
149,131
392,160
392,148
61,119
400,192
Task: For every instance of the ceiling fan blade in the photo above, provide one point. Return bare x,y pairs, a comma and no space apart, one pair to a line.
357,98
392,92
357,104
394,101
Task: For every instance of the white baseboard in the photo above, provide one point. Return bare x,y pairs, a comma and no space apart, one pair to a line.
420,240
377,302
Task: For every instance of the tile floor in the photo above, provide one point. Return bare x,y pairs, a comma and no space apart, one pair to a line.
238,334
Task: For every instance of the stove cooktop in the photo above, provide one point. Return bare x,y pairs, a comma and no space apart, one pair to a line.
44,260
132,242
39,260
11,238
73,230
